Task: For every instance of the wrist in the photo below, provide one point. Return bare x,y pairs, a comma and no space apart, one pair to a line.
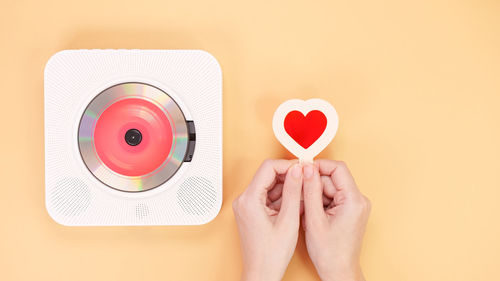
260,275
342,273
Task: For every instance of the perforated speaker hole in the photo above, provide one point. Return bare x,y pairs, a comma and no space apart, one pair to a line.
196,196
141,211
70,197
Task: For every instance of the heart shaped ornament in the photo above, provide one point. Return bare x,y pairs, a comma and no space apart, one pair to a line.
305,128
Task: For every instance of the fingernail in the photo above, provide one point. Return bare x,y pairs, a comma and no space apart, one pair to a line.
308,171
296,171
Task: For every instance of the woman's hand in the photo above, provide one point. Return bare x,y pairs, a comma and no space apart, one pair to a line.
335,217
268,218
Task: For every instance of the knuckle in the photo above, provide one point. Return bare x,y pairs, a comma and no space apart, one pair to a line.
243,205
267,163
363,204
342,164
358,201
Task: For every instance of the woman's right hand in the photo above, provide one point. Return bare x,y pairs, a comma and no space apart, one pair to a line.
335,216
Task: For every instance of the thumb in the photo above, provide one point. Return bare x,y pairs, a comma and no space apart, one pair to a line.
313,196
290,198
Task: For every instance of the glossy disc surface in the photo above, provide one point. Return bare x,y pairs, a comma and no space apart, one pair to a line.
133,137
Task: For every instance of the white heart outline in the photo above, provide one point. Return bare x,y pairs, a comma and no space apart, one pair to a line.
332,124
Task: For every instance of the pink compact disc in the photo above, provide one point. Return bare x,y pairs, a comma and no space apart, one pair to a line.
133,137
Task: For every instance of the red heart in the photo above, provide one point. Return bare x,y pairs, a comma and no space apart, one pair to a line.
305,130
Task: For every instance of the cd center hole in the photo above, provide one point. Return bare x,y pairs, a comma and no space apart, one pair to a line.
133,137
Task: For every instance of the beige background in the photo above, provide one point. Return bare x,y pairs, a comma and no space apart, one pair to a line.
416,85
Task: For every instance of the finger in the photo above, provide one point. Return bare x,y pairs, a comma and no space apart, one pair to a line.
275,193
280,178
265,177
332,210
290,198
313,196
328,188
326,200
276,205
271,212
340,174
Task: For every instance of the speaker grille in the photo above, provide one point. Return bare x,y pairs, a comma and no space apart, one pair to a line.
141,211
196,196
70,197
